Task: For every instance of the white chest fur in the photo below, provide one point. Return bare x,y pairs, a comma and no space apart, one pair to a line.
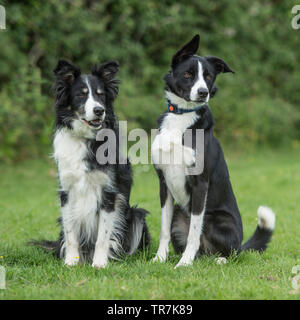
70,152
167,146
84,187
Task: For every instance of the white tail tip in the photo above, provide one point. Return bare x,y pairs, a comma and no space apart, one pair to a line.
266,218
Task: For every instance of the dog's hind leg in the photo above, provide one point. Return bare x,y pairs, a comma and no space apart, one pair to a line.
180,229
223,234
220,234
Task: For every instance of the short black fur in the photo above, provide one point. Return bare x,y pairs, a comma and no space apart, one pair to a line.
222,226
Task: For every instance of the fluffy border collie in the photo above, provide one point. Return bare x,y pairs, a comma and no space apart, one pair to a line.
206,218
96,218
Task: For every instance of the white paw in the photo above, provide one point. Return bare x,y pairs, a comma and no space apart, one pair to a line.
184,263
159,258
189,157
100,260
100,263
71,260
221,260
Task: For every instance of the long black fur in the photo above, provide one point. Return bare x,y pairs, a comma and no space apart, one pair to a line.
67,78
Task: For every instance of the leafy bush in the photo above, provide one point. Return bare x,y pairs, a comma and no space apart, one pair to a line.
257,105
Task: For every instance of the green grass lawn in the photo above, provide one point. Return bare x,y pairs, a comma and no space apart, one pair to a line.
29,208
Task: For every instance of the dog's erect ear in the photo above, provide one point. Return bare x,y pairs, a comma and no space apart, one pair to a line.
107,72
219,64
66,71
188,50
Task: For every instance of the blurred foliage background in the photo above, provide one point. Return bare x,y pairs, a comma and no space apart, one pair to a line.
259,105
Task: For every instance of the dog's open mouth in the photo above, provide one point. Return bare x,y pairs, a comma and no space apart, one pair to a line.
96,123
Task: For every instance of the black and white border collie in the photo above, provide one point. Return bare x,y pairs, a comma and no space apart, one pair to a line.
206,218
96,218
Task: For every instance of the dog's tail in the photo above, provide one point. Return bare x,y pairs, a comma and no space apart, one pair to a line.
48,245
53,247
138,236
264,230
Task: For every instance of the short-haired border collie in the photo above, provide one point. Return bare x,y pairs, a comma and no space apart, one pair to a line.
206,218
96,218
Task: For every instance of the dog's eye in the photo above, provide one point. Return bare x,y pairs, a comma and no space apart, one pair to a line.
99,92
83,93
187,75
207,77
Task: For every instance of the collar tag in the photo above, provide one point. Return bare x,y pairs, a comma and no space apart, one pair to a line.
173,108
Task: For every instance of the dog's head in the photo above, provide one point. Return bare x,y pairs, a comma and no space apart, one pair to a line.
82,100
192,77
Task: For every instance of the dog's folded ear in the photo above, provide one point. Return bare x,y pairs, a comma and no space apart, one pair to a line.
219,64
107,72
186,51
213,91
66,71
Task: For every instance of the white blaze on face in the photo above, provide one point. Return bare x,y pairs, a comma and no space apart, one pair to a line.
199,84
90,104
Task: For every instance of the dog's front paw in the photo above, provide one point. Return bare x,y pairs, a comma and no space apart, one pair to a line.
100,262
100,265
189,156
158,258
184,263
71,260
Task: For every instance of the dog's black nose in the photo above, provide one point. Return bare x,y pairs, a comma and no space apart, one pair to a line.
202,93
99,111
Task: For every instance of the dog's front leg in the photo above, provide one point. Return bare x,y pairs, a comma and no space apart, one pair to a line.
71,239
167,208
105,229
199,195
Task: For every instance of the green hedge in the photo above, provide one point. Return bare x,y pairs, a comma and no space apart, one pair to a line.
257,105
